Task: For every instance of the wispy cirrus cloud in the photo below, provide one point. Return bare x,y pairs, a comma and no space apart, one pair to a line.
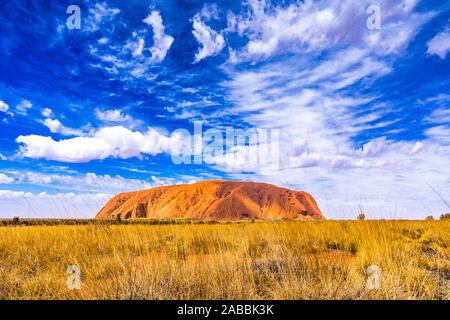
362,112
23,106
318,25
98,15
332,120
134,59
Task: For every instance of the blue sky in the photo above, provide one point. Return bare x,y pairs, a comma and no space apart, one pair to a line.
363,113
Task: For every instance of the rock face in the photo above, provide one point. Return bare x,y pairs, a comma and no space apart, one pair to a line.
214,200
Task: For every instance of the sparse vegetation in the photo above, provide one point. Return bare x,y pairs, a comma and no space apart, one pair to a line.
445,216
429,218
226,260
361,216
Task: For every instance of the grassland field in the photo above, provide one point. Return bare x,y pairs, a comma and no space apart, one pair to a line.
192,259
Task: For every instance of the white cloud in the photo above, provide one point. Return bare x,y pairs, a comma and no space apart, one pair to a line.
318,106
47,112
440,115
112,115
440,134
98,15
56,127
23,106
136,47
440,44
9,194
317,25
117,142
161,41
45,205
129,61
381,192
4,179
211,41
3,106
103,40
80,182
79,195
210,11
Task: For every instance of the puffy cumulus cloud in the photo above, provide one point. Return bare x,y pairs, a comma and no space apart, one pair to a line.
47,112
112,115
161,41
4,179
56,127
384,192
440,44
317,25
117,142
384,178
3,106
79,195
211,41
81,182
9,194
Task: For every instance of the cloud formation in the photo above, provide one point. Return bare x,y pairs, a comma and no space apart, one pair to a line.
112,115
23,106
99,15
161,41
211,41
3,106
56,127
117,142
362,112
317,25
46,205
440,44
129,60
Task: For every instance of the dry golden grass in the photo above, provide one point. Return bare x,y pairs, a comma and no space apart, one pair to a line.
261,260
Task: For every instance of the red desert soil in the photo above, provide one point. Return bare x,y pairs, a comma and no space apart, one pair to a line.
214,200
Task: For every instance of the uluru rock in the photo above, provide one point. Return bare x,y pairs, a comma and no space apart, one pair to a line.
214,200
